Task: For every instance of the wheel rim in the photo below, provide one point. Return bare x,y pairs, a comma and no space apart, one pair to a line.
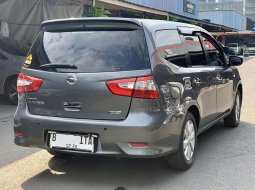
189,140
237,108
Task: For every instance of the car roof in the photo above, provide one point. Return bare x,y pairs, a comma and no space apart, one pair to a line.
151,24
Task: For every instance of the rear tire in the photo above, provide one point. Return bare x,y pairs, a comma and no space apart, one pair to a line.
184,157
11,91
233,119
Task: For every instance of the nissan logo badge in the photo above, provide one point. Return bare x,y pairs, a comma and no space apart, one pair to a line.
71,79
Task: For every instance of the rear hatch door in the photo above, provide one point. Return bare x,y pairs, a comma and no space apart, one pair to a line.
75,64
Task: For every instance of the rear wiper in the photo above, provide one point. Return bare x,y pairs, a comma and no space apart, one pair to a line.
62,66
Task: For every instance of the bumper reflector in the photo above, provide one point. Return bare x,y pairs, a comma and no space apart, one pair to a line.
138,144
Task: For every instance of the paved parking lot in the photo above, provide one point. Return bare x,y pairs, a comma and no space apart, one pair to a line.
225,159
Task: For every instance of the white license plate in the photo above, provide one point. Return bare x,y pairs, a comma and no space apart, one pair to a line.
72,141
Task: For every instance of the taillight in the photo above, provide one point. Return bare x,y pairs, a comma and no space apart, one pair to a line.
141,87
28,84
145,87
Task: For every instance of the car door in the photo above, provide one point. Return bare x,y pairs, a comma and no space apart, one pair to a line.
224,75
203,78
187,53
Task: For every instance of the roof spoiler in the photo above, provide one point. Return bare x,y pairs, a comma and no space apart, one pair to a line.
189,30
92,23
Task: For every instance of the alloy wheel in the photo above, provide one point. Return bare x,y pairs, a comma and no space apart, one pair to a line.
237,110
189,140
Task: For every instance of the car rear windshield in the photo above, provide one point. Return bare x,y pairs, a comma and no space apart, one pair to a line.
91,51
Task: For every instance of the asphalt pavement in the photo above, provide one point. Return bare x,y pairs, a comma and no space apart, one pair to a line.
225,159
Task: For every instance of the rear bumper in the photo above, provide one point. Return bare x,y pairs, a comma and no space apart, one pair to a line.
114,136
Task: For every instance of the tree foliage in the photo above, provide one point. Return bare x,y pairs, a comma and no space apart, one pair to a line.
96,11
173,18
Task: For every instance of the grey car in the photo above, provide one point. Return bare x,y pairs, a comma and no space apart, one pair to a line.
227,50
238,49
12,55
251,47
126,88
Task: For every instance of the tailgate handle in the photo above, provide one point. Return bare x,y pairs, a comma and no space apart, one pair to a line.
72,106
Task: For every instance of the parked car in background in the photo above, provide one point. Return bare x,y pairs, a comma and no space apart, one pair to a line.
12,56
125,87
238,49
251,47
228,50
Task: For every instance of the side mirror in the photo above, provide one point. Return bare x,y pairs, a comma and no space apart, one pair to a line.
235,61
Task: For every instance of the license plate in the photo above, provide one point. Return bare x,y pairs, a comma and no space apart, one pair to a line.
72,141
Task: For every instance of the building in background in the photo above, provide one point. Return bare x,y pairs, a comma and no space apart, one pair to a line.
239,14
187,8
246,7
173,10
221,5
230,18
226,12
24,17
249,10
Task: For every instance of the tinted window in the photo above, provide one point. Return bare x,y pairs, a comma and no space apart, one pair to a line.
215,58
13,47
194,48
91,51
170,47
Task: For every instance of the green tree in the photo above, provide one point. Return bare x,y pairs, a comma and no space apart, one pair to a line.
173,18
97,11
193,22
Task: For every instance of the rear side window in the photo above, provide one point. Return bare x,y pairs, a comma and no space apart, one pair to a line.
195,50
169,46
91,51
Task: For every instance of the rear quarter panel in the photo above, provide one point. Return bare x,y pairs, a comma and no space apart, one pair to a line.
175,100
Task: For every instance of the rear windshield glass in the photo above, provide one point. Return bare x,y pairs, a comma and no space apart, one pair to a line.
91,51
